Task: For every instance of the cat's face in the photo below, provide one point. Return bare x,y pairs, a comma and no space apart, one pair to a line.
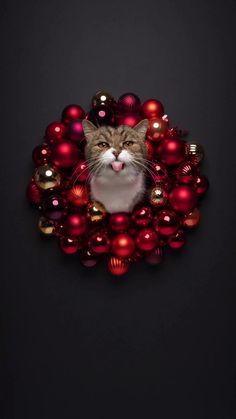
115,152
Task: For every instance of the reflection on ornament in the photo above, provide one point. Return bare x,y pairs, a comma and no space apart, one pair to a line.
46,226
156,129
102,98
158,196
96,212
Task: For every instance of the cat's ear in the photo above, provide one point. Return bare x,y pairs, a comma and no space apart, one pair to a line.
89,128
141,127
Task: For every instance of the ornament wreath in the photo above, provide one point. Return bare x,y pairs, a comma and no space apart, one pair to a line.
59,187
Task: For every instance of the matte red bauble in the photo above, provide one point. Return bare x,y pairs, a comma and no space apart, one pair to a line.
69,245
171,151
142,216
41,154
81,171
177,240
166,222
117,266
155,256
34,194
129,102
152,108
99,243
78,196
88,259
54,207
201,185
123,245
65,154
157,129
119,222
75,131
71,113
183,198
75,224
147,239
128,119
55,132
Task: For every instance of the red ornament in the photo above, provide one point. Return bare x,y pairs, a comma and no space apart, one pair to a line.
40,154
99,243
88,259
192,219
117,266
75,131
171,151
166,222
177,240
81,171
183,198
158,172
78,196
101,115
152,108
155,256
55,132
119,222
128,119
69,245
147,239
142,216
34,194
157,129
129,102
54,207
65,154
150,150
75,224
71,113
186,173
123,245
201,185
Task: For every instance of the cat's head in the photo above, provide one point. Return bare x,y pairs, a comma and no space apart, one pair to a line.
114,151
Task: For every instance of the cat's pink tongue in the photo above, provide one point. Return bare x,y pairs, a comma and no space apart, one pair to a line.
117,166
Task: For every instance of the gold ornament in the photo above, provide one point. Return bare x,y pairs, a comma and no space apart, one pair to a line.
102,98
195,152
192,219
47,177
96,212
158,196
46,226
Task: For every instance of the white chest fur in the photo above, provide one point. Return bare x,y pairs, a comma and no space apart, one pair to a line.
117,193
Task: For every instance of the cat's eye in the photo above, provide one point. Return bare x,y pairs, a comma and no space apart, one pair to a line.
128,143
103,144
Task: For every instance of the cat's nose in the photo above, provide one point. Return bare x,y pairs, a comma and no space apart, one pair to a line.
116,153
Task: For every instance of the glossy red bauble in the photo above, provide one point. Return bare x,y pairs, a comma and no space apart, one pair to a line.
99,243
41,154
75,224
75,131
71,113
166,222
68,245
123,245
152,108
129,102
55,132
88,259
128,119
119,222
183,198
186,173
65,154
147,239
177,240
80,172
142,216
157,129
101,115
34,194
155,256
54,206
171,151
117,266
201,185
150,150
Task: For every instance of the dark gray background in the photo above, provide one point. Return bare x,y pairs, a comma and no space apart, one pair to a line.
162,343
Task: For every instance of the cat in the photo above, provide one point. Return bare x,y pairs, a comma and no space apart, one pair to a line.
116,157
